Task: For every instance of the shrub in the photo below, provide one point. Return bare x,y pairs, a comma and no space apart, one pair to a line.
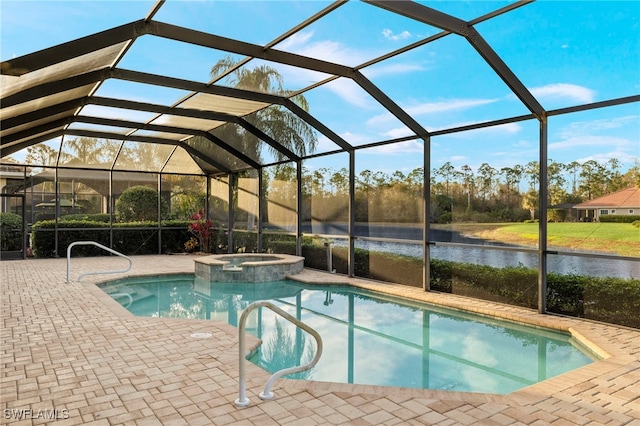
90,217
200,227
10,232
619,218
128,238
444,218
139,204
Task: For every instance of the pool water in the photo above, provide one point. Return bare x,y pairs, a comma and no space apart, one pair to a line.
368,338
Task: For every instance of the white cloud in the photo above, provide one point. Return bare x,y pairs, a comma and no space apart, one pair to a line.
452,104
507,128
325,144
350,92
620,155
436,107
399,148
588,127
333,51
397,132
391,69
564,91
389,35
585,141
355,139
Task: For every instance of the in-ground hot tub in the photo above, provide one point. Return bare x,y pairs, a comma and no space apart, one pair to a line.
247,267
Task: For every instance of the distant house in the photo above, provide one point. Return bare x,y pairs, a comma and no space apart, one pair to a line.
625,202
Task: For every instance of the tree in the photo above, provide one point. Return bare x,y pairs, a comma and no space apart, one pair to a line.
41,155
447,172
139,204
573,168
532,171
512,178
555,182
632,176
530,202
485,177
276,121
593,182
467,183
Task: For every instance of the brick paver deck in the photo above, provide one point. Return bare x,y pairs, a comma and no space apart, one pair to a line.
69,350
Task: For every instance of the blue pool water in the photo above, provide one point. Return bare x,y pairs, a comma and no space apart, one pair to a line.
368,338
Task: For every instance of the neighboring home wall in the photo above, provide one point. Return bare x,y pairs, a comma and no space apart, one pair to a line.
625,202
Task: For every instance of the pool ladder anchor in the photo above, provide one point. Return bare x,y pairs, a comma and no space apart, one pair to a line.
242,400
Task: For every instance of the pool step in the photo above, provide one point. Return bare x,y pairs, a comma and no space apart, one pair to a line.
135,291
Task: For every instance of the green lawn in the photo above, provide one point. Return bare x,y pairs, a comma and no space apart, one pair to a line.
620,238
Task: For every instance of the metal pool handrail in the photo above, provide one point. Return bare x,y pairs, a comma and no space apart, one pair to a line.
114,295
242,400
86,243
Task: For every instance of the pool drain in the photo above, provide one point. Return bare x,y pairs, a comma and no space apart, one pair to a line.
201,335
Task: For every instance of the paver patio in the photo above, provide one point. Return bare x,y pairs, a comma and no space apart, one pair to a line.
69,350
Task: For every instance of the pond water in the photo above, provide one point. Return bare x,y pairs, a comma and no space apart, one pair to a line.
589,266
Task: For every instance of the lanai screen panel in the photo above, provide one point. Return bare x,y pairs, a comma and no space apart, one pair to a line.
181,162
28,124
273,18
149,54
187,122
116,88
10,110
223,104
210,149
293,78
142,156
96,60
86,152
560,72
368,122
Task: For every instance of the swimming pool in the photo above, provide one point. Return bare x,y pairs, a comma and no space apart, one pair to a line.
368,338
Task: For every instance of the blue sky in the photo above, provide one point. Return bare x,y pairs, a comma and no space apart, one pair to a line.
565,53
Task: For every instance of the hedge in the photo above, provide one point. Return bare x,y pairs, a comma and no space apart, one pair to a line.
619,218
128,238
11,232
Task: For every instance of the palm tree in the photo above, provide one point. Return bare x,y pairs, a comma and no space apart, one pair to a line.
276,121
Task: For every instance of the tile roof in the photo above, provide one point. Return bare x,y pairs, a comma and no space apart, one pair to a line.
629,197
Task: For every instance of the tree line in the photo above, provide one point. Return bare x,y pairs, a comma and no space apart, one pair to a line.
462,194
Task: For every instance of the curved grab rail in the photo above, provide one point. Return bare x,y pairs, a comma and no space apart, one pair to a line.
114,295
86,243
242,400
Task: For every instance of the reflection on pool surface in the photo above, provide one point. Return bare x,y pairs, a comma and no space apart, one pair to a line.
368,338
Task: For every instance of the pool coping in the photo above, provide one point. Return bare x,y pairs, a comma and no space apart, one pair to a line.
610,358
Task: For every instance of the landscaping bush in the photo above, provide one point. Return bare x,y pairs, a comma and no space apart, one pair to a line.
612,300
87,217
619,218
140,204
128,238
43,237
10,232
